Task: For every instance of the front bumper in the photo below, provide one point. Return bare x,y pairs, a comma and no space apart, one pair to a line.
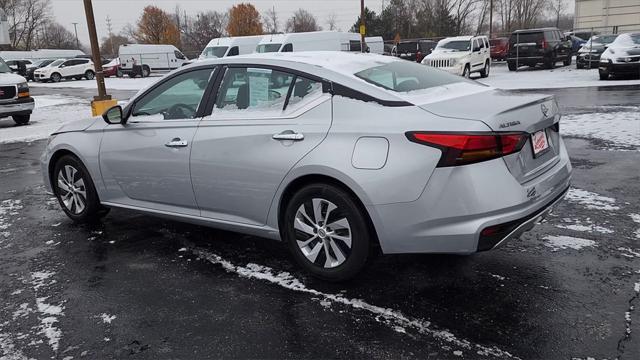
41,76
458,203
620,68
456,69
588,58
19,106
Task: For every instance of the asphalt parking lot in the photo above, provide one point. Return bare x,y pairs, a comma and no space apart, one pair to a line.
140,287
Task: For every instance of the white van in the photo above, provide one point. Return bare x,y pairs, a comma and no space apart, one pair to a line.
230,46
310,41
147,58
375,44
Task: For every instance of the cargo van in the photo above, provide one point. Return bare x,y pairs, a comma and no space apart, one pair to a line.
142,59
230,46
310,41
375,44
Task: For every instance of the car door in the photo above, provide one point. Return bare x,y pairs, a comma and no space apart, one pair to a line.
145,163
262,123
476,55
65,69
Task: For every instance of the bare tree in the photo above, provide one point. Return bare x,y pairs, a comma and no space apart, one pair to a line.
332,21
557,8
271,22
56,36
302,21
201,29
25,18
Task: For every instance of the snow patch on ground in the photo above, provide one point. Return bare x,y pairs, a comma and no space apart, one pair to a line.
585,226
8,209
390,317
106,318
562,77
45,120
42,101
562,242
591,200
629,252
9,351
636,219
47,313
621,129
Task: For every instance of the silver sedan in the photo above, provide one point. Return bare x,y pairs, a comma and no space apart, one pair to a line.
338,154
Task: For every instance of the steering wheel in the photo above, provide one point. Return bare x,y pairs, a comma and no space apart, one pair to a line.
179,111
273,95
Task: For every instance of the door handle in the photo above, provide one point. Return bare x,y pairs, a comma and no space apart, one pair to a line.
176,143
289,135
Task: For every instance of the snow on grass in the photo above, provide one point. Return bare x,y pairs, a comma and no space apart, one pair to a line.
591,200
124,83
561,77
562,242
586,226
44,121
620,129
389,317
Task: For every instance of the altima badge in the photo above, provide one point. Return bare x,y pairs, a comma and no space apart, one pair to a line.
545,110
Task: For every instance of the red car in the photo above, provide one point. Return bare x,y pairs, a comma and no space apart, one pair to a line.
112,68
499,48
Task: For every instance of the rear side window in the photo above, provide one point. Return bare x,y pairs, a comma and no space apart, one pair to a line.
233,51
253,89
406,76
522,38
287,48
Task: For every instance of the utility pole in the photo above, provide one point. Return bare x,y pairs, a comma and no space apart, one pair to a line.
75,28
109,29
363,28
103,101
490,18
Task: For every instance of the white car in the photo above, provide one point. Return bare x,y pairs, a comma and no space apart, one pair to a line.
622,57
461,55
66,69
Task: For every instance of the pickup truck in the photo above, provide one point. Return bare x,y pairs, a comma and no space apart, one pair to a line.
15,100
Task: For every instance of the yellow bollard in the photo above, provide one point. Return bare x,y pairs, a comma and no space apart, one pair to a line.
98,107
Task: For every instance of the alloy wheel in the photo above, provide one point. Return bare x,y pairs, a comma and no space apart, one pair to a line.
72,189
323,233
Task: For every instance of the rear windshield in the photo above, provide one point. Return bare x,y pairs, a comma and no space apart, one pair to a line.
460,45
267,48
522,38
405,76
408,47
215,51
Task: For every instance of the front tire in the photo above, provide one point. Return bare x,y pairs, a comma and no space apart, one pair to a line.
145,71
512,66
466,73
21,119
55,77
327,232
76,193
567,61
604,75
89,75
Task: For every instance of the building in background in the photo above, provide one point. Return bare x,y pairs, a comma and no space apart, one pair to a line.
4,29
607,16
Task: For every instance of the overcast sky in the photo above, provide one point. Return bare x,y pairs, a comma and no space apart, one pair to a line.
123,12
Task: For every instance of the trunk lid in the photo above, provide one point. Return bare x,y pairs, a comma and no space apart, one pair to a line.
509,112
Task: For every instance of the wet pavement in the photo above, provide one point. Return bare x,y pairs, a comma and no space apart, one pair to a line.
135,286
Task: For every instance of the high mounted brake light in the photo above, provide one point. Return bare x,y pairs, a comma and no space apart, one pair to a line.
468,148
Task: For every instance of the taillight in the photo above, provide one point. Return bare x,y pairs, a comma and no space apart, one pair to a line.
468,148
543,44
419,56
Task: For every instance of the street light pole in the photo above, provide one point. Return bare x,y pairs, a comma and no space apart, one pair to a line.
75,28
103,101
490,19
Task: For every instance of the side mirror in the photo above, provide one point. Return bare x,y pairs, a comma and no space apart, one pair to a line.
113,115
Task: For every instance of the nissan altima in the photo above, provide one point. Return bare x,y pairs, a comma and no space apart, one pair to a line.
340,155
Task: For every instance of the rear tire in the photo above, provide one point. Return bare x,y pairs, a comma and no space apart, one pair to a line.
579,66
327,232
21,119
76,193
119,73
485,71
145,71
512,66
550,63
89,75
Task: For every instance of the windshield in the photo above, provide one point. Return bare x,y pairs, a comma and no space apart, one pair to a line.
405,76
56,63
627,40
4,68
458,45
215,51
601,39
265,48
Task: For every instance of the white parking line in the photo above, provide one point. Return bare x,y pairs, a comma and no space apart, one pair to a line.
392,318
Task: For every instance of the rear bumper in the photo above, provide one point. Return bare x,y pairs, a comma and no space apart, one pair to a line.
458,203
20,106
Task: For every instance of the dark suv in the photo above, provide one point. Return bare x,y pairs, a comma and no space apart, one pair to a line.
538,46
414,50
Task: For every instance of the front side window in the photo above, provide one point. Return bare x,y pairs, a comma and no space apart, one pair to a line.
253,89
266,48
405,76
176,98
287,48
178,55
4,68
233,51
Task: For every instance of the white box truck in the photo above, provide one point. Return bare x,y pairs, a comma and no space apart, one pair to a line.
310,41
230,46
142,59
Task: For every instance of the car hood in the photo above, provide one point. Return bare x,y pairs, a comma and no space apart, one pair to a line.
498,109
8,79
77,125
447,53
